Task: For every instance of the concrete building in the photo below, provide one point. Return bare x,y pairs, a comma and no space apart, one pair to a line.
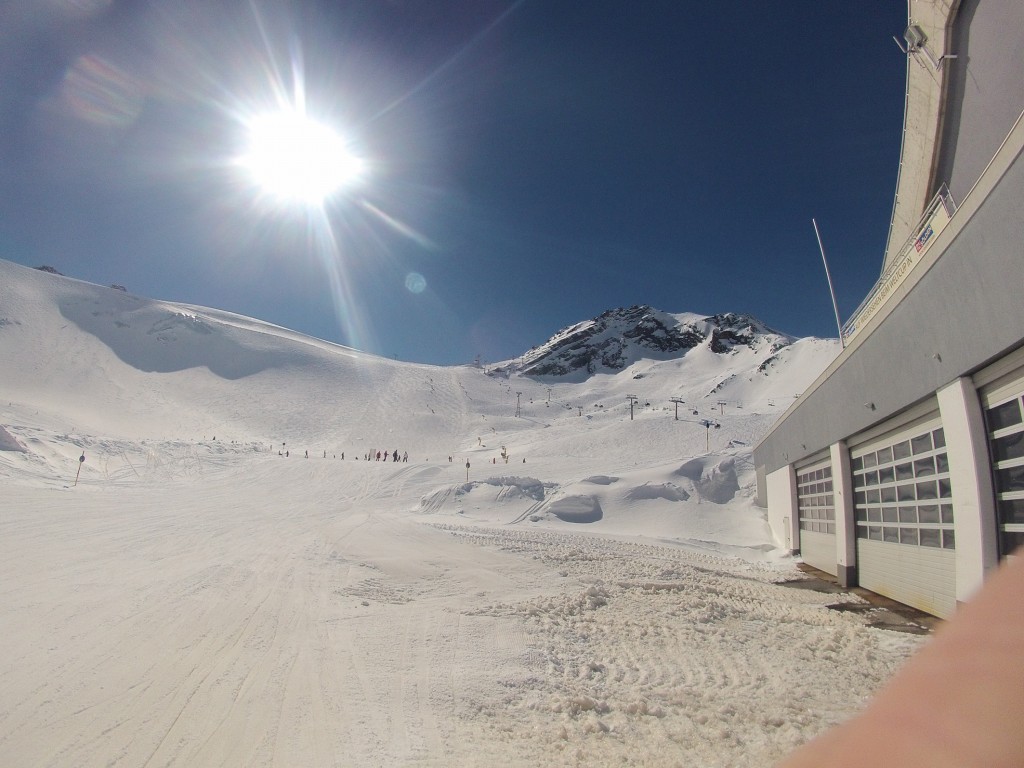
901,468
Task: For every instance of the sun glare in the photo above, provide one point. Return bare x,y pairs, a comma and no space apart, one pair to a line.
296,159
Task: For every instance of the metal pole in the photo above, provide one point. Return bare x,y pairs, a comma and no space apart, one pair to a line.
677,401
632,399
831,290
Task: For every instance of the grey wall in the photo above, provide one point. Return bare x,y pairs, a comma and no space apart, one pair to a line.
968,309
986,89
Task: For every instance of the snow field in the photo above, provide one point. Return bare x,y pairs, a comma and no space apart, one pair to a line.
197,599
270,611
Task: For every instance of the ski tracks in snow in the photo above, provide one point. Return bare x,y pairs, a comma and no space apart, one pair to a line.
305,617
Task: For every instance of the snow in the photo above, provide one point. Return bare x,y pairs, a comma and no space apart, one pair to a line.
593,589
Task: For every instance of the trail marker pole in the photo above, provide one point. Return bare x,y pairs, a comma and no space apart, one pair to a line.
707,424
81,461
467,471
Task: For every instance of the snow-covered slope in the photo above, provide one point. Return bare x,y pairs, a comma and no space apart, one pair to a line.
560,573
87,365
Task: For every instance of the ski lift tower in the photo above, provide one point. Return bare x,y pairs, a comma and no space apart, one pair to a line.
678,401
632,401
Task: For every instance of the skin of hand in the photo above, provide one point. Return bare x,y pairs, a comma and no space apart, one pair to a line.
959,702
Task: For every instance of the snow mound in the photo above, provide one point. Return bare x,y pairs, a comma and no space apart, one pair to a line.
516,487
722,485
600,480
667,491
718,486
155,337
576,509
693,470
9,442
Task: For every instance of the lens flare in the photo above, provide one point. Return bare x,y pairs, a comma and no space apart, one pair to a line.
295,158
97,92
415,282
400,227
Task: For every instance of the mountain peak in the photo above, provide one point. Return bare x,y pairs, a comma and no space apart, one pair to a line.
618,337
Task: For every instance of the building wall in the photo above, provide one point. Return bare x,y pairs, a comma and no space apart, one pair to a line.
961,313
986,89
932,353
971,478
923,112
782,515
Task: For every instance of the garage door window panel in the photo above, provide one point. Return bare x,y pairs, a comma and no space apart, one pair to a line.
902,486
1005,421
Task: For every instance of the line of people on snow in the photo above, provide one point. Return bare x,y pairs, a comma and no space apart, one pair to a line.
368,456
383,456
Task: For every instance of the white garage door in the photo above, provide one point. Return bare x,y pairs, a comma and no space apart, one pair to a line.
903,504
817,508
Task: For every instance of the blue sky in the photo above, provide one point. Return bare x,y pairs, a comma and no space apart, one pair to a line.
529,164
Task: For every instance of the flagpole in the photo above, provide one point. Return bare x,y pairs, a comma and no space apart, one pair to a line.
831,290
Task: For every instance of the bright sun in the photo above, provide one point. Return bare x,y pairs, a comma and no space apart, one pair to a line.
297,159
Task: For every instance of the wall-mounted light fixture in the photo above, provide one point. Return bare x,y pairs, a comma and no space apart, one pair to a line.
914,40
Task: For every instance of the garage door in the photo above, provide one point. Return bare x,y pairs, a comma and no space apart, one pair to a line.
817,509
903,504
1004,417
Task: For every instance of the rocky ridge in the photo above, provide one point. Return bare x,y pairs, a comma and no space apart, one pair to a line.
615,339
